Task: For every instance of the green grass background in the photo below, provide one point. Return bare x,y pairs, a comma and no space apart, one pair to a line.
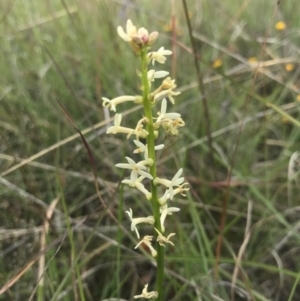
69,51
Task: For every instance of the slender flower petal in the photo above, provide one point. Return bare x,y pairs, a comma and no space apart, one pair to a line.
147,295
147,241
164,211
159,147
141,147
176,181
152,74
135,221
142,188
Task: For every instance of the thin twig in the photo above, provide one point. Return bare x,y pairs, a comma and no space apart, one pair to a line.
200,84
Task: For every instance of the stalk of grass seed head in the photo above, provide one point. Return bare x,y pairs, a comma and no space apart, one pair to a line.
151,154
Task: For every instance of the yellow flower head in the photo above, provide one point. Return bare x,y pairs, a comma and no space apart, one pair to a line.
298,97
280,25
252,59
289,67
217,63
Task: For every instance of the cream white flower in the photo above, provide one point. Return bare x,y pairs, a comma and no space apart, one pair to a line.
147,241
159,56
117,128
137,168
162,240
169,83
163,115
138,220
139,127
166,90
138,185
180,189
115,101
164,211
152,74
147,295
176,181
166,93
171,126
142,148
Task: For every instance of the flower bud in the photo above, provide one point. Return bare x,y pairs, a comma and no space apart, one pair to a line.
152,38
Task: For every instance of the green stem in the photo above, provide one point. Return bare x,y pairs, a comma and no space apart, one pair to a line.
151,154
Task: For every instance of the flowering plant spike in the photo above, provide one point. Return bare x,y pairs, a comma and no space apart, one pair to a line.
145,171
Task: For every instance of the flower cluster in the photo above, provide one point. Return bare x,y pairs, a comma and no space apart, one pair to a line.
148,128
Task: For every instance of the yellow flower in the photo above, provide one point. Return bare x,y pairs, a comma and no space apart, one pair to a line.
217,63
280,25
298,97
252,59
289,67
